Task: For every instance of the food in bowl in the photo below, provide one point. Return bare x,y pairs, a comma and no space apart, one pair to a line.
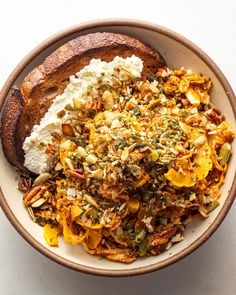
127,151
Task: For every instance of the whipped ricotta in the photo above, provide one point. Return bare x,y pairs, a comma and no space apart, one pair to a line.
83,84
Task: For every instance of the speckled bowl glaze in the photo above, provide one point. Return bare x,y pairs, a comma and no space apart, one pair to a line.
177,51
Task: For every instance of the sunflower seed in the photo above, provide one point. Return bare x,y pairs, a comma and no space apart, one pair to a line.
31,213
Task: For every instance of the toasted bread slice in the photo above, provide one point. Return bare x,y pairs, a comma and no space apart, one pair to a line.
9,127
24,109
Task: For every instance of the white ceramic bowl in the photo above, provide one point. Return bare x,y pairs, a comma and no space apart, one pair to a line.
177,51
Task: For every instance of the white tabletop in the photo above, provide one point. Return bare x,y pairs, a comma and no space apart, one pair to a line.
212,26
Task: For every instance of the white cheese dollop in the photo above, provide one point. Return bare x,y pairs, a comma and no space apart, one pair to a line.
83,84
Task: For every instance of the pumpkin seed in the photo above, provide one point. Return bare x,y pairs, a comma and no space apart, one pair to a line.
192,197
42,178
38,203
225,153
213,206
154,155
131,147
143,247
44,206
91,201
140,236
135,170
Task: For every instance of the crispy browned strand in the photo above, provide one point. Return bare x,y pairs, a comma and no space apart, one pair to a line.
49,79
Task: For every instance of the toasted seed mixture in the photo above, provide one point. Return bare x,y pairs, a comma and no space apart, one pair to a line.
133,166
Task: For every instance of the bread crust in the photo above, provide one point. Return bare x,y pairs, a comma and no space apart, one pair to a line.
49,79
9,127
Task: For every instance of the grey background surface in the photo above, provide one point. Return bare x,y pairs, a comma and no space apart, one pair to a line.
210,269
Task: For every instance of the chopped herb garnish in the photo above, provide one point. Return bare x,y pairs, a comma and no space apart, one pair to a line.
140,164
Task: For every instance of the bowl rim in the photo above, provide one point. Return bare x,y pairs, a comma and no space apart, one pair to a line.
96,24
